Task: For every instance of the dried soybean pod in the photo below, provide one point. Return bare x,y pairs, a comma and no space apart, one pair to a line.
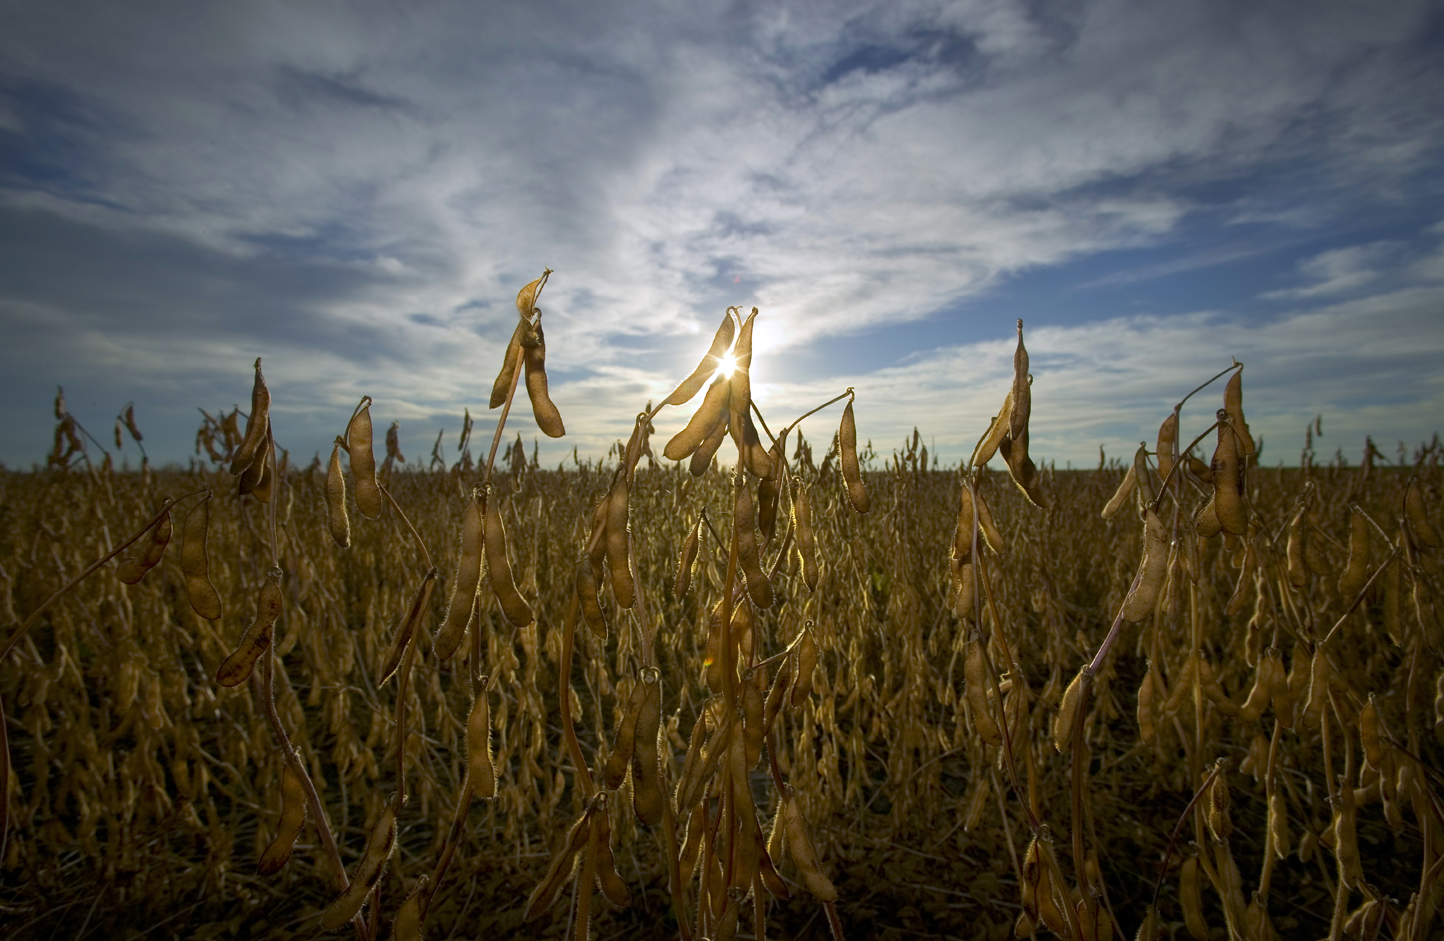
379,846
1181,687
618,539
293,818
257,424
1394,598
237,667
498,567
1228,478
704,421
481,770
1346,843
196,563
1067,716
608,880
1167,441
406,630
807,654
1298,575
750,451
1147,724
694,751
548,419
1278,824
690,386
851,471
1216,810
991,534
777,693
997,431
1190,900
687,560
1152,569
1213,690
265,478
744,523
1205,521
799,843
1319,670
806,535
408,925
975,689
754,726
1356,572
1022,391
1022,469
586,588
769,493
1369,734
336,499
152,551
502,387
741,404
1121,495
1419,525
1260,692
560,869
647,799
1233,404
253,475
464,586
363,463
702,457
615,770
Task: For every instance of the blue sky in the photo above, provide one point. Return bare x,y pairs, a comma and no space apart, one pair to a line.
355,193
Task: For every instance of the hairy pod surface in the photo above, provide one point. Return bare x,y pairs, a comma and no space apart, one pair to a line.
498,567
586,588
975,688
847,453
236,668
336,515
293,819
690,386
1228,478
1022,391
744,522
614,772
548,418
363,464
380,844
608,880
647,799
257,424
1167,442
687,560
992,439
1414,511
1067,716
196,563
618,540
560,869
466,582
799,844
504,379
806,535
1152,570
1233,403
1121,495
704,421
481,770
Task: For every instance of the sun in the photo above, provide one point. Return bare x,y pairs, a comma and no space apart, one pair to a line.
726,364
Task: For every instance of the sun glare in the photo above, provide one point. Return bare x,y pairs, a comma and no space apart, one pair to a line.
726,364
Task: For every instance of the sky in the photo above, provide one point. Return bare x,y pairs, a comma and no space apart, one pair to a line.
355,193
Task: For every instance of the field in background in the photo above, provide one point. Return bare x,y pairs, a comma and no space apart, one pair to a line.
143,793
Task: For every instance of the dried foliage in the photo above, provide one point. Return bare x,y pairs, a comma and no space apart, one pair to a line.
1176,696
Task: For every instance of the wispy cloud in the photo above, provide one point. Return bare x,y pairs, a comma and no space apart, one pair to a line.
360,191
